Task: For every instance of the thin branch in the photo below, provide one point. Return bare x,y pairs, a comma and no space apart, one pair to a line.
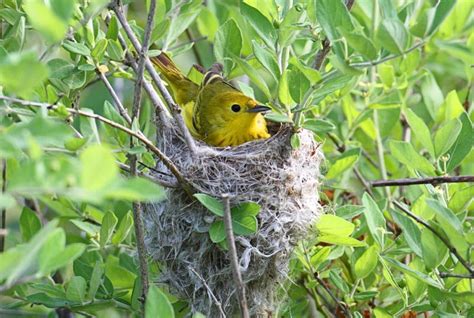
234,262
413,181
136,206
209,290
326,44
444,275
194,48
159,181
451,248
3,224
338,302
175,110
138,135
387,58
121,109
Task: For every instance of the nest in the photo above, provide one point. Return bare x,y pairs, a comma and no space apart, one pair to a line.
284,181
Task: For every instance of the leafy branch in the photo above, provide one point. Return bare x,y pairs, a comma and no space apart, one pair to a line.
413,181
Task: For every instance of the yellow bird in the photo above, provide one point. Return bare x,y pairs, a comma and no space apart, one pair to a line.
215,112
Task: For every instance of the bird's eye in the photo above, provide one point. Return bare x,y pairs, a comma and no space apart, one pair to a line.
235,108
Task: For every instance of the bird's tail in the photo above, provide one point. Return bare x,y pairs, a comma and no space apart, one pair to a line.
184,90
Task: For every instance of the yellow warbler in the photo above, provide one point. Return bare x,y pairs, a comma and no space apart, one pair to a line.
215,112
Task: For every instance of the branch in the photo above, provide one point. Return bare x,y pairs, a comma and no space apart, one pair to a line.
444,275
412,181
338,302
451,248
138,135
326,44
234,262
175,110
121,109
3,223
136,206
162,182
387,58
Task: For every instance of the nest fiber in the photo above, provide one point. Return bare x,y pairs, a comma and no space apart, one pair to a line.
284,181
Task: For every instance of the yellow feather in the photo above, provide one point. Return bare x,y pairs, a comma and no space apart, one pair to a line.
216,112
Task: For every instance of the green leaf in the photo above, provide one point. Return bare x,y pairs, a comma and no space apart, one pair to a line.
331,224
212,204
109,221
99,169
410,231
228,44
187,14
340,240
344,162
446,136
21,73
367,262
95,281
76,289
331,15
62,257
59,68
243,223
463,144
76,48
254,76
406,154
124,229
432,95
443,8
267,59
374,218
461,199
30,224
420,130
393,35
298,84
74,143
260,24
51,22
136,189
357,40
157,304
319,125
217,231
99,49
247,208
433,248
411,272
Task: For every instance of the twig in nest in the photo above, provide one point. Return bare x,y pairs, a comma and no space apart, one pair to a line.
412,181
244,311
451,248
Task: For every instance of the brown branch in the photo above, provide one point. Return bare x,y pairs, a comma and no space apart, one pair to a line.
326,45
159,181
444,275
3,224
413,181
451,248
175,110
121,109
194,48
234,262
136,206
338,302
138,135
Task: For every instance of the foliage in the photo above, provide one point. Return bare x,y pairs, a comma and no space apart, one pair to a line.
391,100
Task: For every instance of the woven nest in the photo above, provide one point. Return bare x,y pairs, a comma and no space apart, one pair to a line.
284,181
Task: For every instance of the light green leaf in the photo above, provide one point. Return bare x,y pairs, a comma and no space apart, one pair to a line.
77,48
21,73
443,8
374,218
410,231
157,304
406,154
367,262
95,281
243,223
76,289
393,35
319,125
267,59
49,18
340,240
420,130
61,257
212,204
228,44
463,144
217,231
331,224
247,208
99,169
344,162
109,221
434,250
446,136
260,24
254,76
124,229
413,273
30,224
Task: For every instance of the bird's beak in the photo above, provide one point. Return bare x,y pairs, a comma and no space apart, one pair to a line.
259,109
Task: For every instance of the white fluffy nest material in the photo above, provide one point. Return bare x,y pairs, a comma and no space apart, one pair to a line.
284,181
